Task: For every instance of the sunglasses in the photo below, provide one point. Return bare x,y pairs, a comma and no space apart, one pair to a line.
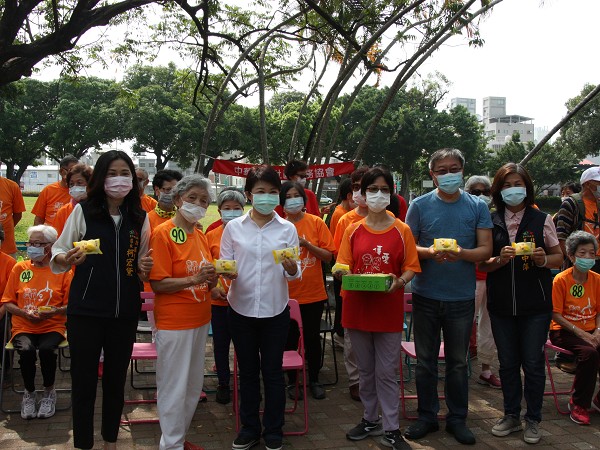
479,192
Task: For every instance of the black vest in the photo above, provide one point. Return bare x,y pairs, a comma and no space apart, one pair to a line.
107,285
519,287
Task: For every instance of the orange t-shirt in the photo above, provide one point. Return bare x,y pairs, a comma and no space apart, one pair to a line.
61,217
31,287
148,203
369,251
6,265
575,302
214,243
177,255
337,214
310,288
49,202
11,201
155,220
591,215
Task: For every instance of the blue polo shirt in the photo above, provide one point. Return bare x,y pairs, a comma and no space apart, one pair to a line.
430,217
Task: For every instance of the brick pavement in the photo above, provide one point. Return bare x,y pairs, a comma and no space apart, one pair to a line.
213,425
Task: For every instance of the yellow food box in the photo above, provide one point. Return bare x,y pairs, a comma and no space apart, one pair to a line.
225,266
91,246
523,248
445,245
44,308
344,268
290,252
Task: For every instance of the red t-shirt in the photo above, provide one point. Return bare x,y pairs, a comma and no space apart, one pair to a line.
366,251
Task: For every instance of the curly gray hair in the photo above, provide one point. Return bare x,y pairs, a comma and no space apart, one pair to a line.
190,181
578,238
478,179
49,233
231,194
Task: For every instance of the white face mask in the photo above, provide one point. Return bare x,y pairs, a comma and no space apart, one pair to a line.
486,199
77,192
377,201
192,213
302,181
358,198
293,205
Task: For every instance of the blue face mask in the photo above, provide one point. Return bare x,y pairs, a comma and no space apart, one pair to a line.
293,205
230,214
265,203
36,253
450,182
514,196
584,264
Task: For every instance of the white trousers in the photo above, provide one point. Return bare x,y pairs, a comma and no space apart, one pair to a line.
350,361
486,347
179,377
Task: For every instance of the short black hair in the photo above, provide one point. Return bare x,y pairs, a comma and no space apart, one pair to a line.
264,173
345,189
498,183
394,206
293,167
165,175
2,237
285,187
358,173
374,173
575,187
68,159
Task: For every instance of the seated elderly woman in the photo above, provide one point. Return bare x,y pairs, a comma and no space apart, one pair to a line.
37,300
576,321
181,278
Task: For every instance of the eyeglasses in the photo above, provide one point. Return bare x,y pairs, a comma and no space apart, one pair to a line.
356,187
479,192
36,244
446,171
376,189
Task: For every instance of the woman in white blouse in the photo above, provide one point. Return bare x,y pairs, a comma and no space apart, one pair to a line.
258,314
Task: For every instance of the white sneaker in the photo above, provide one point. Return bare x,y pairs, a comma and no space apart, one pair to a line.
47,405
28,405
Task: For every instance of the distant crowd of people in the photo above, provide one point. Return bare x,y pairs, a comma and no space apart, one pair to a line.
98,240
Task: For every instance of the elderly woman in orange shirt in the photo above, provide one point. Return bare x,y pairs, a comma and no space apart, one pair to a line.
37,300
181,278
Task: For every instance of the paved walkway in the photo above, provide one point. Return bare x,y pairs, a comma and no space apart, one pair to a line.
214,428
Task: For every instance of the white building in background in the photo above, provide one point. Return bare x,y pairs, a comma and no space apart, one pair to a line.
499,127
34,179
469,103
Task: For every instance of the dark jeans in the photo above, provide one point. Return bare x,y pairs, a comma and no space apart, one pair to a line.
221,341
87,337
259,345
588,364
311,323
6,363
337,319
46,344
455,319
520,343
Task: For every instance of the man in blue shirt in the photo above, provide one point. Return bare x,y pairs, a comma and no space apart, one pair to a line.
444,292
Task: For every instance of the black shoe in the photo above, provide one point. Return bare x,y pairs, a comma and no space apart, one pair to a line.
244,442
317,391
461,433
420,429
394,440
223,395
273,444
291,390
365,429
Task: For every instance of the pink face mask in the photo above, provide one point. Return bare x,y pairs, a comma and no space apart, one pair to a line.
117,187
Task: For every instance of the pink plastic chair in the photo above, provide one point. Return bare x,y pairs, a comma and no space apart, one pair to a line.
292,360
553,392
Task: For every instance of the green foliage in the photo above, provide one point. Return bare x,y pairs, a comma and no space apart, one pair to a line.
582,133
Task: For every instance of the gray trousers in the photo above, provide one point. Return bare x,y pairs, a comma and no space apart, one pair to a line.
378,358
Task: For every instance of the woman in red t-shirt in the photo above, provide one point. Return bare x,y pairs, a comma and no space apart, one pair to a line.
378,244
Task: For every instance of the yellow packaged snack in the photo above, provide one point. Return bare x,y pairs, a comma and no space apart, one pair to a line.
225,266
523,248
445,245
44,308
91,246
344,268
290,252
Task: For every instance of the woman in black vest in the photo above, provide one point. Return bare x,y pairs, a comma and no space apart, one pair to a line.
520,296
104,301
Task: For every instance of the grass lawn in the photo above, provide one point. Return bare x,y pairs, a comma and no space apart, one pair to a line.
21,229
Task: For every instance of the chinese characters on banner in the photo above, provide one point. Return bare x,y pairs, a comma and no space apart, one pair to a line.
315,171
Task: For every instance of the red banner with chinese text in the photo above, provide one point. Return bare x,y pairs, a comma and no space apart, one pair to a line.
315,171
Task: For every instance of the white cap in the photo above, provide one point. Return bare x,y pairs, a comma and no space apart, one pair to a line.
593,173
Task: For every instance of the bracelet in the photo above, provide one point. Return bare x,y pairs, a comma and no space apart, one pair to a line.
545,261
499,260
403,281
